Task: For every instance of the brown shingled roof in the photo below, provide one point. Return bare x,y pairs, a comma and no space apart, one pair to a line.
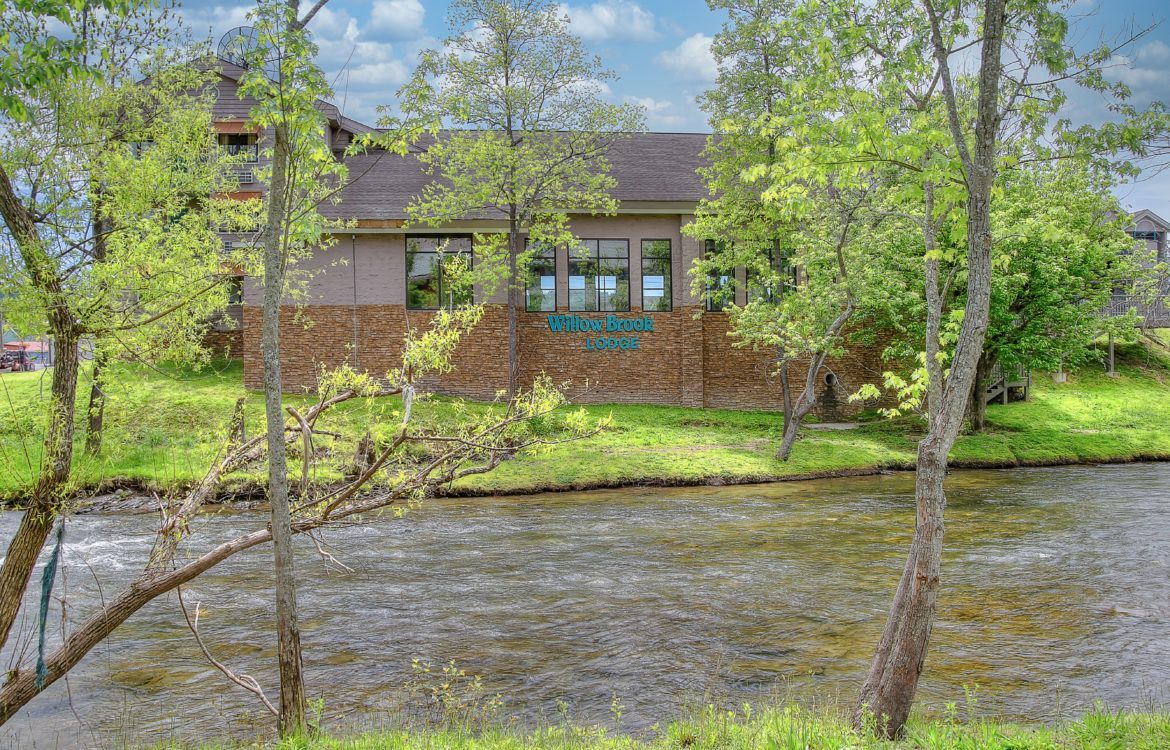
647,166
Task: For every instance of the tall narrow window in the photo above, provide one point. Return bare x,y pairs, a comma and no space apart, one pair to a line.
599,276
430,279
656,292
720,284
540,293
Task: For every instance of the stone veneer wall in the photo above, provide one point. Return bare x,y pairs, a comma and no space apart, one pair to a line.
687,360
228,344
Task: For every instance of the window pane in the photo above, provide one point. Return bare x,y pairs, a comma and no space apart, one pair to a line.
540,292
656,249
719,284
613,249
613,285
582,285
455,286
656,290
427,285
422,280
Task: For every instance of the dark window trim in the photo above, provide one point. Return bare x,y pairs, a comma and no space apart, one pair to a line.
556,280
597,257
710,303
406,275
642,273
786,273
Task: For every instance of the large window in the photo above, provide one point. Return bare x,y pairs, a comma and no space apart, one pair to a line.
780,278
720,284
599,276
656,294
430,264
540,292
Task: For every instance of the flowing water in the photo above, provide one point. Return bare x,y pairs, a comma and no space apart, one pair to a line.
1056,593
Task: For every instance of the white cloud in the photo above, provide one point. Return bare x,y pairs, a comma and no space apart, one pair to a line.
691,59
612,19
659,112
1154,52
398,19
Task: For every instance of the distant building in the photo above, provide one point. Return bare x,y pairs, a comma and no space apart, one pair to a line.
623,325
1150,232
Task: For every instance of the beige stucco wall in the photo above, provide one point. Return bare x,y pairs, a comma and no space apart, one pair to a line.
375,264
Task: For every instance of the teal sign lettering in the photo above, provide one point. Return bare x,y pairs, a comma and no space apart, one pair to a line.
610,324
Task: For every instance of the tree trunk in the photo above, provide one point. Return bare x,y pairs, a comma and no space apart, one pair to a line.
97,394
889,688
513,305
47,494
292,685
97,405
979,392
44,504
888,691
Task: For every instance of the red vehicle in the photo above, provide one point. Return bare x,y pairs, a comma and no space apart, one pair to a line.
15,361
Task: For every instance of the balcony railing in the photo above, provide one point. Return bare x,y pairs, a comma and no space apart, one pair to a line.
1155,314
250,152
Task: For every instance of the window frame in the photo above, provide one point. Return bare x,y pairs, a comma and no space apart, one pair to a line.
728,280
786,273
574,255
556,278
439,266
668,279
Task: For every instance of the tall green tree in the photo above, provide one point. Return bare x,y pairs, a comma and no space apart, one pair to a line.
1063,253
284,79
876,102
530,136
807,266
93,163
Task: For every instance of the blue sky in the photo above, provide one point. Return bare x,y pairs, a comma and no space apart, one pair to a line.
659,50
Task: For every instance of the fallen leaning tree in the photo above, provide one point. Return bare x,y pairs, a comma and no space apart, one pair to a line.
413,463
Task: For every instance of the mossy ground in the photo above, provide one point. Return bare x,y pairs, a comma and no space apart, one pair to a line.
164,426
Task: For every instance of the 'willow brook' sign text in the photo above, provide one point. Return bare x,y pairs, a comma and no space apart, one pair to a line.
609,325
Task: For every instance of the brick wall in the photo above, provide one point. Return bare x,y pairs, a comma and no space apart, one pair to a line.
687,360
228,344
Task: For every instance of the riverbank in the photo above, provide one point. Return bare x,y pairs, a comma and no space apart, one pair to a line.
786,727
164,427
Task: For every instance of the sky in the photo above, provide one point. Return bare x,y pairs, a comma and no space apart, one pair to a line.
659,50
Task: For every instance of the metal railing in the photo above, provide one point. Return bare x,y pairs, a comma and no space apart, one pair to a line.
1154,314
250,152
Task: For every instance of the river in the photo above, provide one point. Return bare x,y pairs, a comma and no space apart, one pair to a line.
1056,592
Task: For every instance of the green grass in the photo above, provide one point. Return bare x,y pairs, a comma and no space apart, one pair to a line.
785,728
164,426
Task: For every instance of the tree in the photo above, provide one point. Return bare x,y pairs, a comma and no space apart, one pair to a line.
877,103
805,264
415,459
804,281
531,141
287,85
1063,252
1060,255
72,179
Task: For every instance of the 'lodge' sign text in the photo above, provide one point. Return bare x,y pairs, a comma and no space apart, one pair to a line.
610,324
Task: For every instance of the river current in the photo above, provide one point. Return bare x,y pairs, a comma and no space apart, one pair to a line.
1056,593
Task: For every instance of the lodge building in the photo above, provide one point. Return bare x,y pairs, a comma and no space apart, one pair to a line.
615,324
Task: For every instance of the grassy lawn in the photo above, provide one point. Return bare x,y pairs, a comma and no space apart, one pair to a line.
780,728
164,426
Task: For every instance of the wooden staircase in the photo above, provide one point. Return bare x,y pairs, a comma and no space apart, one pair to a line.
1004,387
